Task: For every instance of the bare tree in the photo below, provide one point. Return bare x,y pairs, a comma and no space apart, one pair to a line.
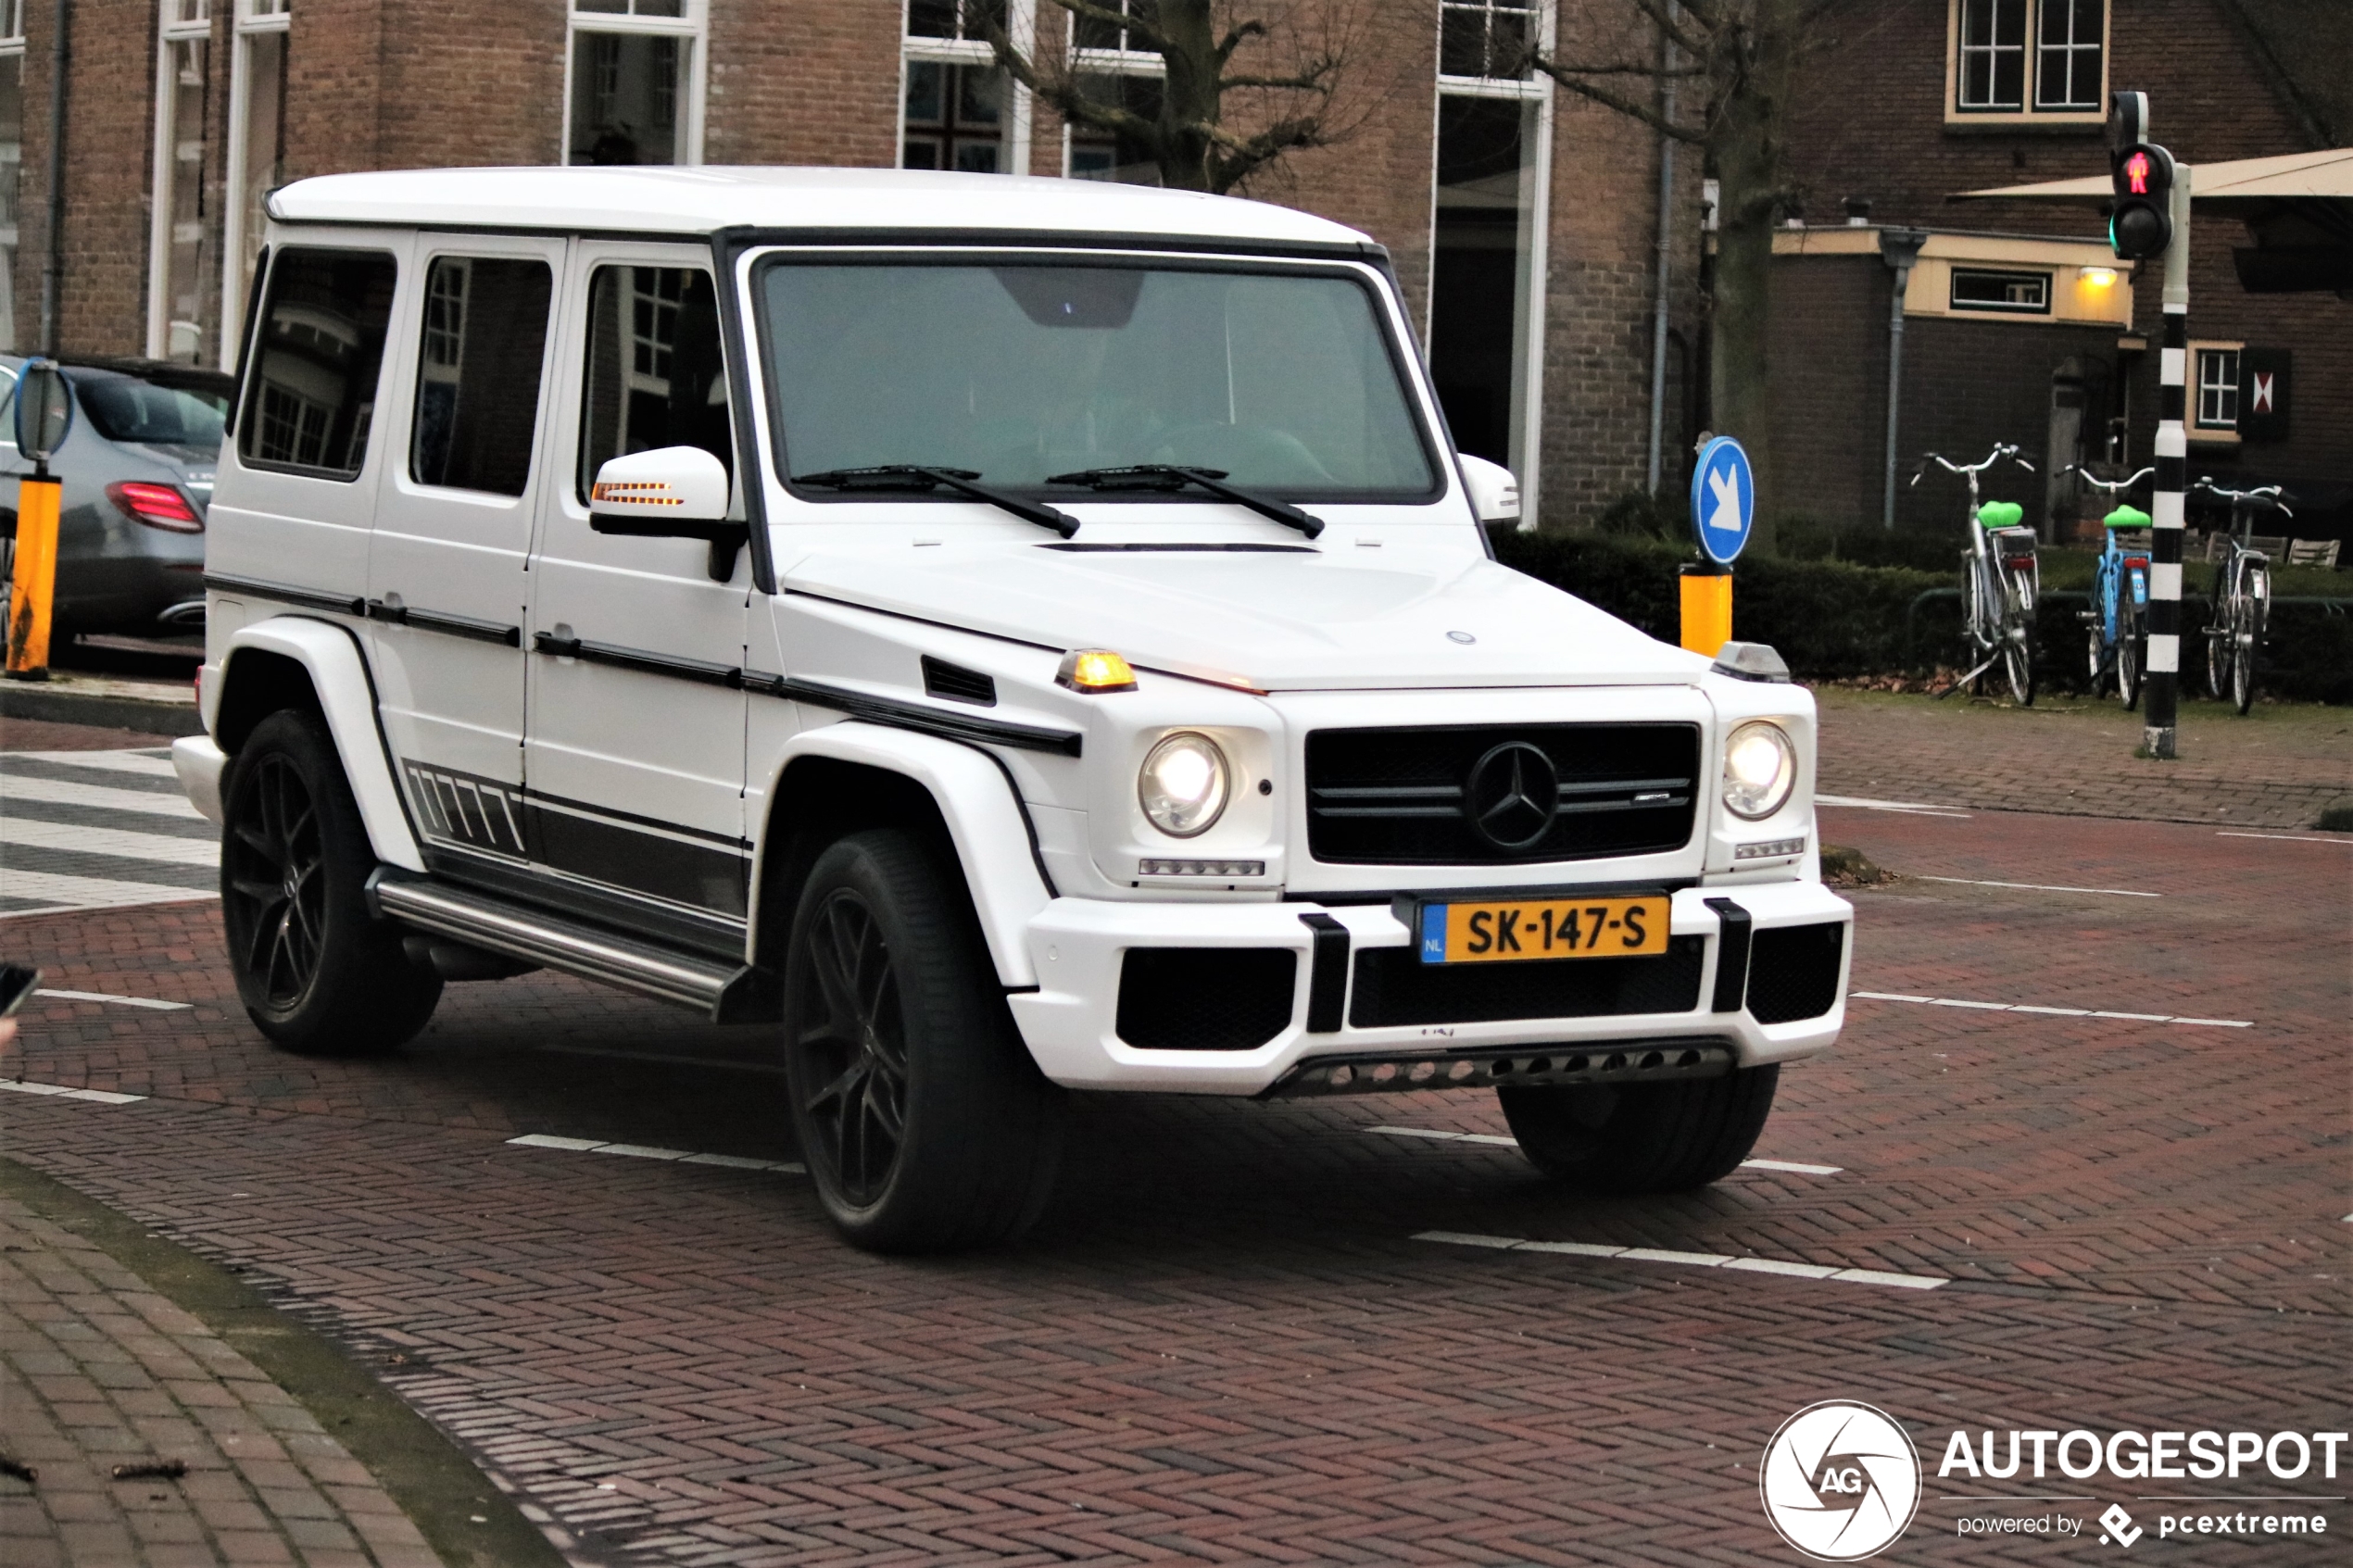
1193,138
1733,66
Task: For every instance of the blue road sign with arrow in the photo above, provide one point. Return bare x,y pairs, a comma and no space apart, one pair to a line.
1723,499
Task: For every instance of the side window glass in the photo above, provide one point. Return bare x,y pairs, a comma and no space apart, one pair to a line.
478,373
312,393
656,376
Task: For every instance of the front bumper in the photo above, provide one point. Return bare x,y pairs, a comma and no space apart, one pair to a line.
1079,946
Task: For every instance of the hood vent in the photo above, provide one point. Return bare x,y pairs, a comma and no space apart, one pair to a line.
957,683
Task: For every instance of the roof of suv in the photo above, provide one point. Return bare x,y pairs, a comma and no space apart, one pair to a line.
698,200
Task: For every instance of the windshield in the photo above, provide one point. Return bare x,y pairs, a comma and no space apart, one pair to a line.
1283,379
125,410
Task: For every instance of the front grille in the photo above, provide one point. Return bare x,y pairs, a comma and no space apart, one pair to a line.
1408,797
1792,972
1205,999
1393,987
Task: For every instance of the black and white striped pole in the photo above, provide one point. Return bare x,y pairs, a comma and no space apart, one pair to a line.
2151,217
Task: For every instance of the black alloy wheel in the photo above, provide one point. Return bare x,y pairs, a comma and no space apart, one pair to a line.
1629,1138
316,972
854,1042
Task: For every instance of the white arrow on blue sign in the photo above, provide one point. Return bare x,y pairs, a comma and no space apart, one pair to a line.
1723,499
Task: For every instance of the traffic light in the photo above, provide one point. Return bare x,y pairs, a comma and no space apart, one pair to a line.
2141,223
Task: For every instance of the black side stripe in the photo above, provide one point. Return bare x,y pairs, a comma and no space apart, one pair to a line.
453,626
1029,824
639,660
909,716
309,599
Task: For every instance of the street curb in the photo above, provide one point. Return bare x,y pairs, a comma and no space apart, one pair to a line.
26,699
436,1484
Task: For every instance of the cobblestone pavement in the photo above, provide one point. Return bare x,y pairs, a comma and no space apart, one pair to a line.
99,1375
2280,767
1225,1343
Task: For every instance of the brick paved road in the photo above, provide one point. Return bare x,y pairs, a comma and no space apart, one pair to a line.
1224,1344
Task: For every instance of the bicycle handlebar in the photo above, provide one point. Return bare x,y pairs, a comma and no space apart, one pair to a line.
2002,449
2267,494
2110,486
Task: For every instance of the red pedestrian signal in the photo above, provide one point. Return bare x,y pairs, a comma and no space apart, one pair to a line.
2141,224
2136,174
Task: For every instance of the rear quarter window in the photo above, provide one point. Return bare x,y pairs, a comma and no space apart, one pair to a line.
311,396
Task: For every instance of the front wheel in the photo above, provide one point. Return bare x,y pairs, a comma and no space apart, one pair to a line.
1641,1138
924,1124
316,972
2220,644
2242,661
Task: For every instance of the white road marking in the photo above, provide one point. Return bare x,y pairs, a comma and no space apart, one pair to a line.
2053,1012
64,793
64,892
109,761
1922,808
109,841
2290,837
2038,886
1690,1259
61,1091
1506,1142
120,1001
647,1151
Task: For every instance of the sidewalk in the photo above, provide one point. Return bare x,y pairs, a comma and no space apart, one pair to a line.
151,1441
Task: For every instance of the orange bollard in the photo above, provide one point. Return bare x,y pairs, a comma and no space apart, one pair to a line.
35,579
1707,609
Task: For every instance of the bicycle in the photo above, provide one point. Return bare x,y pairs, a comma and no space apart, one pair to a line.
2118,619
2242,595
2000,578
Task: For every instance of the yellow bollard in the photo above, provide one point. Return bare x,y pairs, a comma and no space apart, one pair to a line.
35,579
1707,609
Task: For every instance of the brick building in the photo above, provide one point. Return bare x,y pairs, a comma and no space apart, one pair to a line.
1524,226
2012,333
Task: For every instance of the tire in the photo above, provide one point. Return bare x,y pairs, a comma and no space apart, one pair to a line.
2242,661
2017,641
2219,645
2128,663
924,1123
1641,1138
2095,657
316,972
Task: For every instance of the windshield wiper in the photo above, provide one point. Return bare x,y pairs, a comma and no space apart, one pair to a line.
916,476
1170,476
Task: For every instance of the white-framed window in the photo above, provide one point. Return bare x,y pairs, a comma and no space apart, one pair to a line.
256,151
177,223
633,79
1488,215
11,161
1115,66
2028,60
2000,291
2214,391
958,109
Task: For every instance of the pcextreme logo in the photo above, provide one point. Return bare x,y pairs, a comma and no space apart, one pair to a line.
1840,1480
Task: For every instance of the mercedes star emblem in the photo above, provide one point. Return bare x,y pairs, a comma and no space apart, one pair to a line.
1512,796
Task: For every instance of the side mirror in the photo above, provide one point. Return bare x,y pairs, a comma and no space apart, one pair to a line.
44,410
669,493
1494,493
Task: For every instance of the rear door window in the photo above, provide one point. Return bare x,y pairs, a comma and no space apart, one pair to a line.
656,375
311,397
486,333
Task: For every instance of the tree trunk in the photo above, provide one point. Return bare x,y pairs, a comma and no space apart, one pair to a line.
1190,93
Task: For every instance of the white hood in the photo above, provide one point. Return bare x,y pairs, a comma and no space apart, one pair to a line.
1340,618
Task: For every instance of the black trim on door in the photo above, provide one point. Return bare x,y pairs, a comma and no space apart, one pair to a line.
450,625
911,716
647,663
738,362
309,599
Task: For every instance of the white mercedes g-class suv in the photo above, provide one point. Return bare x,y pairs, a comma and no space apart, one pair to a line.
1001,635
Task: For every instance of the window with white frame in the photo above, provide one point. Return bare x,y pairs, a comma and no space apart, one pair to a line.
177,258
635,82
256,160
1486,40
11,160
958,109
2031,59
2216,408
1118,65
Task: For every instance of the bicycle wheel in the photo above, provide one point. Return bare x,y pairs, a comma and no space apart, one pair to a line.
2128,661
2094,658
2219,645
1977,632
2018,637
2243,656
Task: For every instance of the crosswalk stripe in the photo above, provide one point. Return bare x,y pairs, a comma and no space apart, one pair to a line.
15,765
64,892
153,765
14,787
109,841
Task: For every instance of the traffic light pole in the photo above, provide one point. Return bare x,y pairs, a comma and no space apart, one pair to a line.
2158,734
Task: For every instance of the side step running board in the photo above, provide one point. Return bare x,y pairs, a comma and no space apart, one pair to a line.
724,992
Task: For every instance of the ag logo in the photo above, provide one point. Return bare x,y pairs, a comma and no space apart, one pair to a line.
1840,1480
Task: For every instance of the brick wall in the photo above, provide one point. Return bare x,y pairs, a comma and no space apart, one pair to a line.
813,81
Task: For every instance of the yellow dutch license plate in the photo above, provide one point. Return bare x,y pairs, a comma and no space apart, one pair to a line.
1543,928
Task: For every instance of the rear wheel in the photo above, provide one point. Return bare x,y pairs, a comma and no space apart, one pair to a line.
2095,656
1641,1138
315,971
924,1123
2128,660
2017,641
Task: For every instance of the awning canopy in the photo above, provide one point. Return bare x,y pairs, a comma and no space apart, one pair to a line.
2324,176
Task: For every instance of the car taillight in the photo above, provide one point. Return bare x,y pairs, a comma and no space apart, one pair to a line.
157,506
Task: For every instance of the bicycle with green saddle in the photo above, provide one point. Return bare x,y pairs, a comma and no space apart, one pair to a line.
2116,640
2001,577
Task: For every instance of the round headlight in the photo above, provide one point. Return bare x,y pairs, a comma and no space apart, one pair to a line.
1760,768
1182,787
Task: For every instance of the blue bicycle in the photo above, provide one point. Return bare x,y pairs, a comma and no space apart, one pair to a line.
2118,621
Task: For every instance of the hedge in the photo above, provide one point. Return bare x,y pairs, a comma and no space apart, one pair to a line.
1832,618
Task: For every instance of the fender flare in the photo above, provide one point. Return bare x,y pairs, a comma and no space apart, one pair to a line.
330,654
986,820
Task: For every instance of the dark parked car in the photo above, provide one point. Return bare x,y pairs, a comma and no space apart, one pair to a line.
137,467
